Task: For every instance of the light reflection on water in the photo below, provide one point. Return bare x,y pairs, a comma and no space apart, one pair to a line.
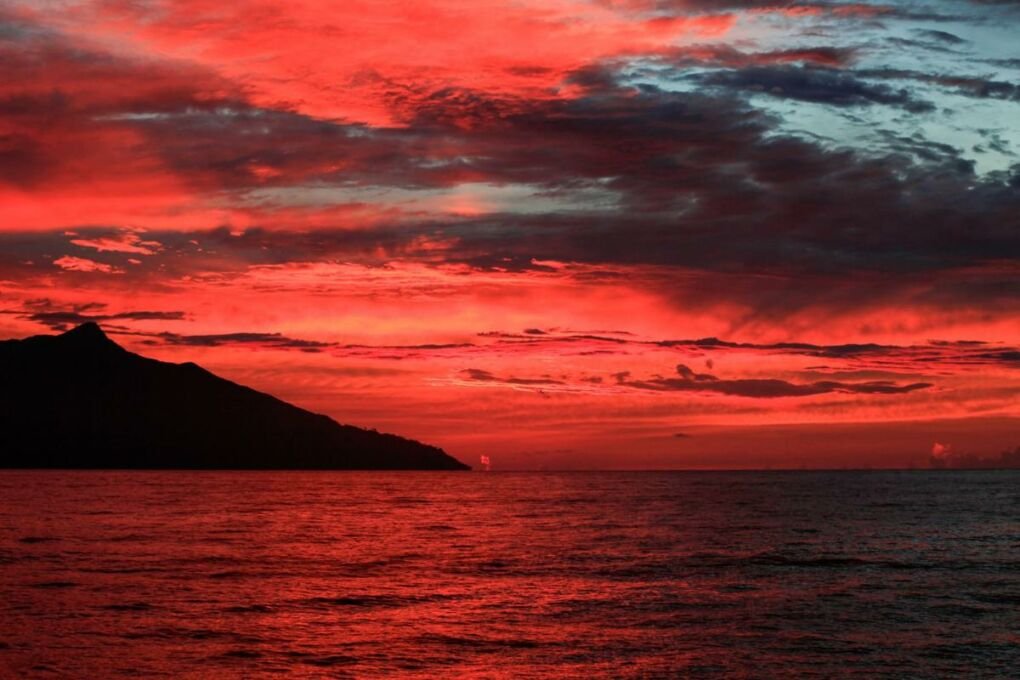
242,574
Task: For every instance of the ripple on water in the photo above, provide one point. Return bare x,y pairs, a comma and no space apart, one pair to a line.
545,575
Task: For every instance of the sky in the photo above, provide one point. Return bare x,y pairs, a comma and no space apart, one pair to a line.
560,233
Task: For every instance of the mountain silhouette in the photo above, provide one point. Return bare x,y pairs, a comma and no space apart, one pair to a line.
80,400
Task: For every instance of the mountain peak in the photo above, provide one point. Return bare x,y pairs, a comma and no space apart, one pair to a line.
80,400
88,334
87,328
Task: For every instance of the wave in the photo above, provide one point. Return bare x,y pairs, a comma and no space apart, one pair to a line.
372,601
31,540
429,639
130,607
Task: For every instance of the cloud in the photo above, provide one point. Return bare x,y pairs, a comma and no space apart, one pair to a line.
126,242
387,49
689,381
696,181
942,36
730,57
64,320
63,317
753,208
81,264
817,85
748,170
264,340
965,85
478,375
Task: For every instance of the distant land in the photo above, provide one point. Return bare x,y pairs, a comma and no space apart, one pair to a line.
944,458
80,400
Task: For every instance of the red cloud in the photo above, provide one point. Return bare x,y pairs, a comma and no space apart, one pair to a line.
81,264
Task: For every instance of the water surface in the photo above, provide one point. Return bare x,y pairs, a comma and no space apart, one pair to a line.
263,574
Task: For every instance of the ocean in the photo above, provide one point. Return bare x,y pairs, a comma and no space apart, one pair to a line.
509,575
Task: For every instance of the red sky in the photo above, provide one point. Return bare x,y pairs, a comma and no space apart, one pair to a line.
583,233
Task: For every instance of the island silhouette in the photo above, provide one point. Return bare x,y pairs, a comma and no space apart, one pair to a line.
80,400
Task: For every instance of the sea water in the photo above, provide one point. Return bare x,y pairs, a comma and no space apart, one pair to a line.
565,575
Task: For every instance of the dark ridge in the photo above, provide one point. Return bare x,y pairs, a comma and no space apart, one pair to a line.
80,400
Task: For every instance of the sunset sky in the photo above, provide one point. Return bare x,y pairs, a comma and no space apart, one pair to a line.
561,233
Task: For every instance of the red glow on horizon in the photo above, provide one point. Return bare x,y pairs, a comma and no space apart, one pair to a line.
504,226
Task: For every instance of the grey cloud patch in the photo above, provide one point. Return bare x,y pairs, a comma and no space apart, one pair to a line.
845,11
926,150
961,352
814,84
701,185
115,241
64,320
689,381
769,388
933,353
968,86
268,340
687,374
479,375
730,57
696,181
943,36
46,312
1005,356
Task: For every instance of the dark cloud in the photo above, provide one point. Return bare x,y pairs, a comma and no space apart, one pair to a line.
697,181
1006,63
968,86
731,57
926,150
268,340
1005,356
64,320
892,357
843,10
479,375
689,381
814,84
58,95
46,312
594,78
942,36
